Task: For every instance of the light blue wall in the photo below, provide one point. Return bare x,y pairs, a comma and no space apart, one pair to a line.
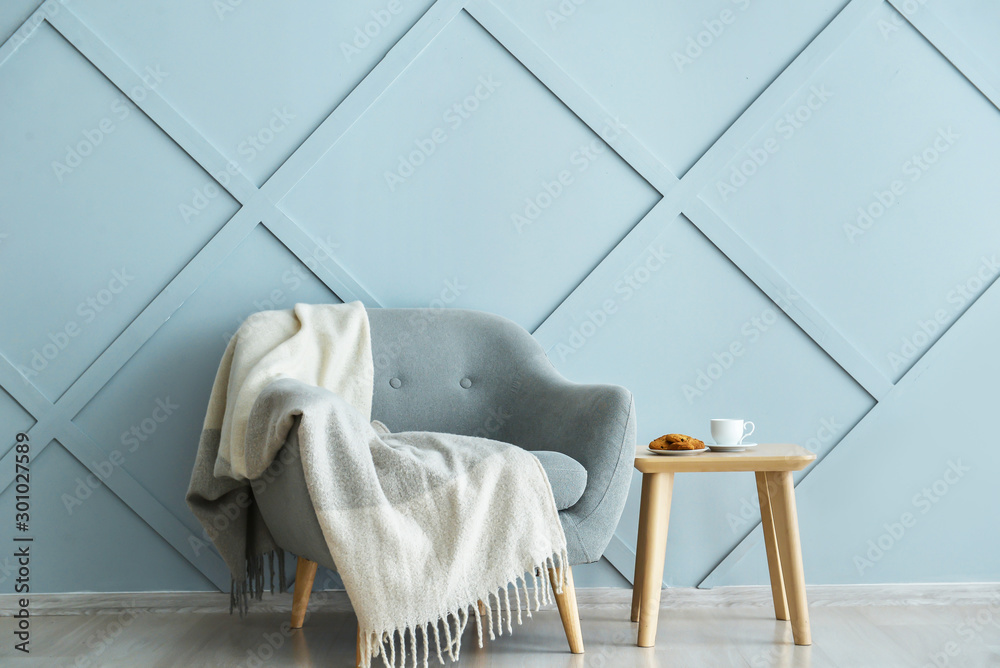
782,211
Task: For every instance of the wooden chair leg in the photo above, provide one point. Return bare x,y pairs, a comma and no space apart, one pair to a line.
771,547
786,525
482,620
568,611
358,661
305,574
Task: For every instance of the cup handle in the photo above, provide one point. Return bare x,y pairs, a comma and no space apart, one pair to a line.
752,427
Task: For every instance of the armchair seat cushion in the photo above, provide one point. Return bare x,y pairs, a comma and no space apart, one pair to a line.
567,477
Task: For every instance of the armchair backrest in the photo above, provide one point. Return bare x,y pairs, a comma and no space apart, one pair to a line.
450,370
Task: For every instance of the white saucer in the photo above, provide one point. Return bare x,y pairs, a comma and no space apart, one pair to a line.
732,448
677,453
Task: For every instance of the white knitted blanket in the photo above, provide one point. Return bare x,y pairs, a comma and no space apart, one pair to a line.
421,525
327,345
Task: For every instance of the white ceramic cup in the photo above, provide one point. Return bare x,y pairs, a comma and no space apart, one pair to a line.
730,432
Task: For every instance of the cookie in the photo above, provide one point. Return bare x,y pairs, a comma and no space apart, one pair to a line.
676,442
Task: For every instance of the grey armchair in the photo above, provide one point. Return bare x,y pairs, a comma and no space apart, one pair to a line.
473,373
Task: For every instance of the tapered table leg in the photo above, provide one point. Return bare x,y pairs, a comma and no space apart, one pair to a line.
640,548
786,524
657,518
771,547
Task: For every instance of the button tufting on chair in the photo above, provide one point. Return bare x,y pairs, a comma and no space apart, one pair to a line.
466,383
395,382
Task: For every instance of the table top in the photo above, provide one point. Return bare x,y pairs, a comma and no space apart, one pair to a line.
764,457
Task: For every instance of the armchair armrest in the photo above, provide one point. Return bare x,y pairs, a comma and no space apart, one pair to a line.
593,424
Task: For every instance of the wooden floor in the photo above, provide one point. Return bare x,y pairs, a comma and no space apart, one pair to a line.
696,629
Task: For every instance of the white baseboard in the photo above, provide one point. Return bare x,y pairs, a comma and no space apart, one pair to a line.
86,603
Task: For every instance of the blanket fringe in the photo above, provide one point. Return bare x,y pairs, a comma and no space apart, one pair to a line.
449,643
252,585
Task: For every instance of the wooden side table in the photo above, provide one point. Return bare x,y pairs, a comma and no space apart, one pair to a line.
772,464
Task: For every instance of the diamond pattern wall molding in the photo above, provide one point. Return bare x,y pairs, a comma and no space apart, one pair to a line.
782,211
